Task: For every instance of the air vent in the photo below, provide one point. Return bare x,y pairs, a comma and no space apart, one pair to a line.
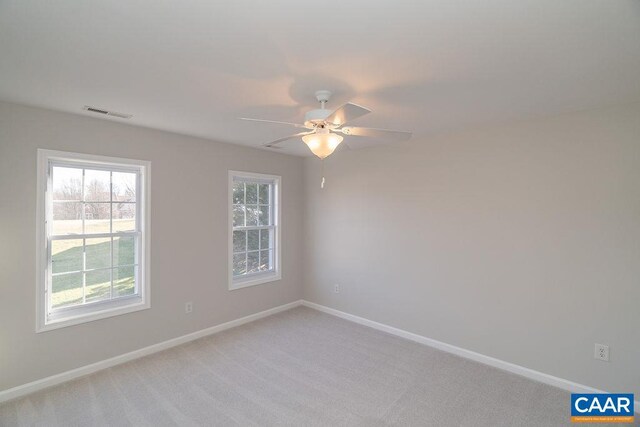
107,112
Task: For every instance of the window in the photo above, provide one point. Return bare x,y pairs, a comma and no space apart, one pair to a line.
92,237
254,235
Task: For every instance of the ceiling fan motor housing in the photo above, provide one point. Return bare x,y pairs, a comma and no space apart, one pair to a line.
316,117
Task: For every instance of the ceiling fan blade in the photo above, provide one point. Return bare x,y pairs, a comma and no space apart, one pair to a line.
347,112
391,135
272,121
286,138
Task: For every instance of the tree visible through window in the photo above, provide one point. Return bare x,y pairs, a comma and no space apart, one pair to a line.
254,226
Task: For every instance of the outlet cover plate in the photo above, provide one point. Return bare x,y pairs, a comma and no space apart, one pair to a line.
601,352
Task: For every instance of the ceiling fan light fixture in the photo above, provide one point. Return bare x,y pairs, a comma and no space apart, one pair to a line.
322,143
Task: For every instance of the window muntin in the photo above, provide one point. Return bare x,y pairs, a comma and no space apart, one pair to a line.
94,238
254,247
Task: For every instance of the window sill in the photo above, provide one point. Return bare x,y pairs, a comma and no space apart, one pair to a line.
258,280
79,318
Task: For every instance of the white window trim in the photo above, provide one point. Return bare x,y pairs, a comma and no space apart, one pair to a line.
259,278
109,308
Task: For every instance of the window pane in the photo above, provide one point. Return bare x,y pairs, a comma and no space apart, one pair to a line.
66,290
123,186
265,239
97,185
239,264
252,215
124,217
253,208
265,263
67,183
238,193
253,262
252,194
94,229
239,241
124,281
263,215
238,216
98,285
98,253
263,194
253,240
66,255
124,252
67,218
97,218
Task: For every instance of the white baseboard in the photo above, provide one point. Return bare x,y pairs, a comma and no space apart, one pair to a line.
22,390
467,354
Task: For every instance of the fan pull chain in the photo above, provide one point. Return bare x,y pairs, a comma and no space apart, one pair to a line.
322,173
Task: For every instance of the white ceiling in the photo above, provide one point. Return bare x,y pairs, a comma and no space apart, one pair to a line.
193,66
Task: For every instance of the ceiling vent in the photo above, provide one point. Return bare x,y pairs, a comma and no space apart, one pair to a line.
106,112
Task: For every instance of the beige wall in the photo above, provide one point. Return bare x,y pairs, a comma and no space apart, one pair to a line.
520,241
188,239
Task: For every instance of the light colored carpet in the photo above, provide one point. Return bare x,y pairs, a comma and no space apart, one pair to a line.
296,368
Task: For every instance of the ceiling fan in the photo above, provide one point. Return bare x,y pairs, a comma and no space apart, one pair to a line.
323,127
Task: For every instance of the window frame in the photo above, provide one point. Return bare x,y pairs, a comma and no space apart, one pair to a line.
262,277
63,317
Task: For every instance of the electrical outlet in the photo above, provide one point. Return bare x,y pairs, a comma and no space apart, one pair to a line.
188,307
601,352
336,289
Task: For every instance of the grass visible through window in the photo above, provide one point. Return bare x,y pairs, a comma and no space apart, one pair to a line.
69,256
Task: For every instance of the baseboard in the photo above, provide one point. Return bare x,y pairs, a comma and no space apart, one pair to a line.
22,390
467,354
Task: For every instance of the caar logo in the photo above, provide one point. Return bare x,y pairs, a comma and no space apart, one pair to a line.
601,408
